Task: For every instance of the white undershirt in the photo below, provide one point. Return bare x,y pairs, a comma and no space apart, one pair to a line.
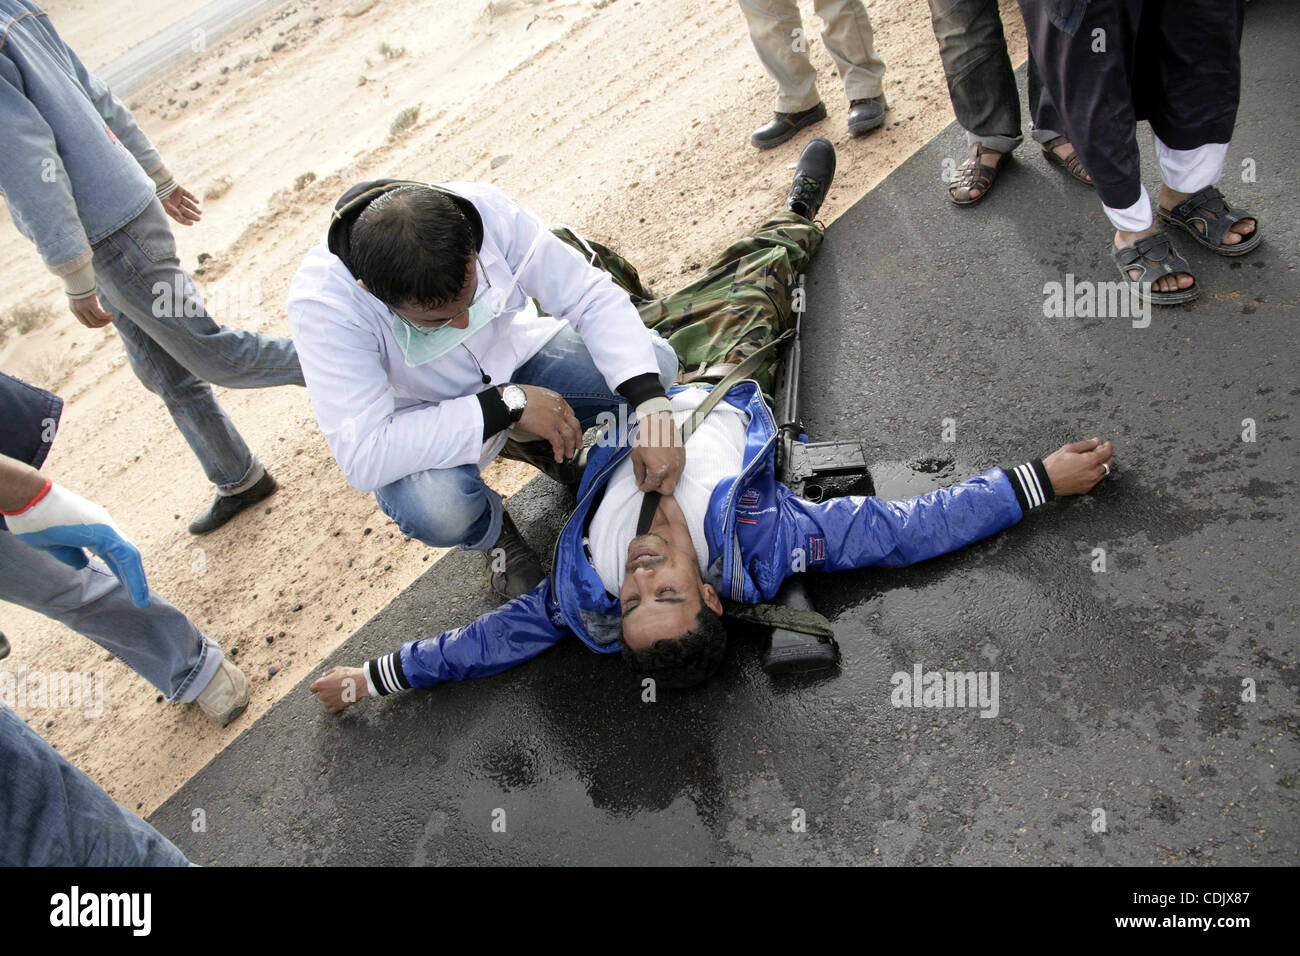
715,451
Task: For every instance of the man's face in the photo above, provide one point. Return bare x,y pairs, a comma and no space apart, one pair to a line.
662,588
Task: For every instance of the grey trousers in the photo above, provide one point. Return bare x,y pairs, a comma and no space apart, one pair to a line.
782,46
159,643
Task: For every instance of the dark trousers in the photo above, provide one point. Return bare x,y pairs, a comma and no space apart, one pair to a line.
981,83
1174,63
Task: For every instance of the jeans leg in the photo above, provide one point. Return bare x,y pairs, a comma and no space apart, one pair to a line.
52,814
981,83
565,365
444,507
1046,121
159,642
138,270
211,435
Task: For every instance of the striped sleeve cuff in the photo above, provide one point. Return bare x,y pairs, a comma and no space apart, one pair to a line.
164,184
1031,484
385,675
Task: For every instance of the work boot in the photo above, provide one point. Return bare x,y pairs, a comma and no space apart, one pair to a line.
785,125
226,695
227,506
539,454
866,115
512,565
812,178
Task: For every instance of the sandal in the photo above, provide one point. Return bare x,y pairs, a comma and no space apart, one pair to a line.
973,174
1071,164
1216,216
1156,257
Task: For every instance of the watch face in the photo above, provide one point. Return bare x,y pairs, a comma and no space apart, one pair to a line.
515,400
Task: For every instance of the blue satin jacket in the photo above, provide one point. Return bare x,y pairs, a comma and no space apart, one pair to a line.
759,533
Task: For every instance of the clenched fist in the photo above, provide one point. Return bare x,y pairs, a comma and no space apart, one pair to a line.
1076,468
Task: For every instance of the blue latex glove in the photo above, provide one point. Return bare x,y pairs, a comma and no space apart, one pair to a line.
63,523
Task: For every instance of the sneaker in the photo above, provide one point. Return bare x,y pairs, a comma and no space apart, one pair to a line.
226,695
227,506
785,125
812,178
866,115
512,565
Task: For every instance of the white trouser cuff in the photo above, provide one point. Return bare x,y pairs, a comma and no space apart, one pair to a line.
1190,170
1133,219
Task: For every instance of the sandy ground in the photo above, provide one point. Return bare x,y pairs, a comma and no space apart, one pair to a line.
543,98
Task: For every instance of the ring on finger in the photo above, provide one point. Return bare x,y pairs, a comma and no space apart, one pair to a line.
1106,465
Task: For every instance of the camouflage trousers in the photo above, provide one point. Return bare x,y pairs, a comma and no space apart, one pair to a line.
742,302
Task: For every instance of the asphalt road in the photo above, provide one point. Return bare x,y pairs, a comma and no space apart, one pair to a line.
1119,691
148,59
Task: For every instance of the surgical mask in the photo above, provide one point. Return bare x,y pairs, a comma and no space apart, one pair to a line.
422,345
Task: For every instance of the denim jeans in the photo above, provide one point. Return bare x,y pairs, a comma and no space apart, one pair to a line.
159,643
444,507
981,83
52,814
176,348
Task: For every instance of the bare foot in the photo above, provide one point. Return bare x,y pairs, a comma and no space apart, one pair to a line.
1169,283
1169,198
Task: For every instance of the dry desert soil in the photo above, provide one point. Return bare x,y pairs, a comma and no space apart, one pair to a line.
627,120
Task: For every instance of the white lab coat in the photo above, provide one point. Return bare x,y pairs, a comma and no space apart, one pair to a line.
383,419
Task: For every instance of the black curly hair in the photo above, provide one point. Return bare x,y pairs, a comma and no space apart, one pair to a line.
683,661
412,246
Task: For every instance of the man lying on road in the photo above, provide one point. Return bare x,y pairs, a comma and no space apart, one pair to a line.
729,530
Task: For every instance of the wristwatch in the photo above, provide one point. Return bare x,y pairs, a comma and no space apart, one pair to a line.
516,401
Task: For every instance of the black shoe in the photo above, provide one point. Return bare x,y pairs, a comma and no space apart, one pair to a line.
512,565
538,454
785,125
227,506
812,178
866,115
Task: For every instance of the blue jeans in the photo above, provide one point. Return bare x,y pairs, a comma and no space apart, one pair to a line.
445,507
52,814
176,348
159,643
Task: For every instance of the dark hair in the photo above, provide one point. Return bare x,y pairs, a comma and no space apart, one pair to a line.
683,661
412,245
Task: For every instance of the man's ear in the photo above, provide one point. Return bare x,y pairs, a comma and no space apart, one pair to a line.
363,285
711,599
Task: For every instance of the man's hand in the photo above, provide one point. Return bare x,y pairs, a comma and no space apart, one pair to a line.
183,206
547,415
340,688
88,312
658,455
1076,468
63,523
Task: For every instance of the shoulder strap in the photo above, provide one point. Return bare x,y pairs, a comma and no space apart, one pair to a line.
737,374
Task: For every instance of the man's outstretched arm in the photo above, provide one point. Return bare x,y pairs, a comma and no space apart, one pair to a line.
500,639
862,531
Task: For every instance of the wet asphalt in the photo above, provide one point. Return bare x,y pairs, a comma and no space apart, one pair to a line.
1121,737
